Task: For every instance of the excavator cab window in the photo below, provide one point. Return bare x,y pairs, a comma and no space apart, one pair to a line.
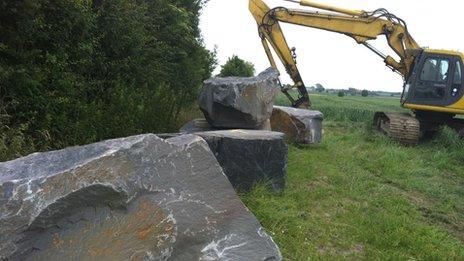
435,70
432,84
436,81
457,79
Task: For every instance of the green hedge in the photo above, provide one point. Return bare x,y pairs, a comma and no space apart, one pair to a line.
75,72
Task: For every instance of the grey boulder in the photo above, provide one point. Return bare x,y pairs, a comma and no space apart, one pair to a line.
196,125
201,124
137,198
237,102
249,157
299,125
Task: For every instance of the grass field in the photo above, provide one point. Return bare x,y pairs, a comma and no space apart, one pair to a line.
349,108
360,196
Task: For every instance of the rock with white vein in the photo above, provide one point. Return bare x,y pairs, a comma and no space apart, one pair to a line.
137,198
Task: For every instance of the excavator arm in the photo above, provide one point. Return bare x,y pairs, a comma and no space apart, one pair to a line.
362,26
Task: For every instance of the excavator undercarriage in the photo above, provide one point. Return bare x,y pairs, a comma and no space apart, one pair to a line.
409,129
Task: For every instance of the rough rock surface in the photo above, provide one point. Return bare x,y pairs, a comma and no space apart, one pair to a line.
266,125
201,124
137,198
241,103
250,156
197,125
299,125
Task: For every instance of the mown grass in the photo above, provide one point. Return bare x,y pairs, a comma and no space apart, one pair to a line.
359,195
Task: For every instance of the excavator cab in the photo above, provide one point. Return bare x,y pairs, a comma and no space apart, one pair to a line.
435,80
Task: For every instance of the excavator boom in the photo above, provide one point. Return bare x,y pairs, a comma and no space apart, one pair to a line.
362,26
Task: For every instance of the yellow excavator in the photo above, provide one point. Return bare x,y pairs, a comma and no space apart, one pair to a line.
433,88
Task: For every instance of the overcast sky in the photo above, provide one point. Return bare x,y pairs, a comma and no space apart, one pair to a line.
331,59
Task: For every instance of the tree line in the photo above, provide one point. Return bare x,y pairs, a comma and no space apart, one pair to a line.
79,71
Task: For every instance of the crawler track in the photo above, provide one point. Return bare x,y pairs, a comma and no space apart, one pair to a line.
400,127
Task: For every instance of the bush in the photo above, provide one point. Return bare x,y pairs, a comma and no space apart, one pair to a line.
319,87
341,94
237,67
364,93
13,142
75,72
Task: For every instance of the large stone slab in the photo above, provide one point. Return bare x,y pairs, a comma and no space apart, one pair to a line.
250,156
196,125
201,124
137,198
236,102
299,125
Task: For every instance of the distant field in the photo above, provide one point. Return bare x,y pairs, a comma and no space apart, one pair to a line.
350,108
360,196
